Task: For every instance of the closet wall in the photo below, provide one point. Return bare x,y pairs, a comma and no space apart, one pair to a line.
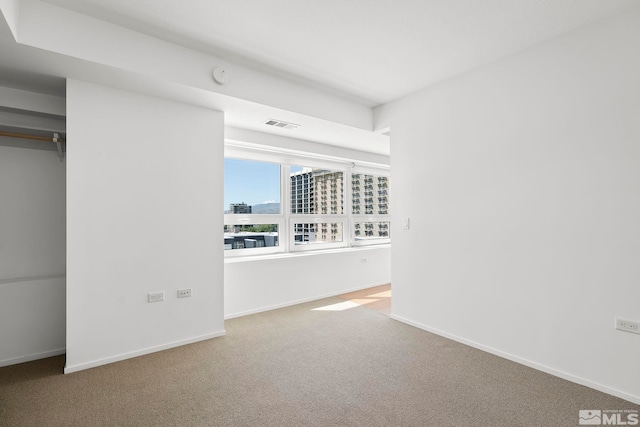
32,252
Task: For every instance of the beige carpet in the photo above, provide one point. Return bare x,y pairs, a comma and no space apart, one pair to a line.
376,298
300,367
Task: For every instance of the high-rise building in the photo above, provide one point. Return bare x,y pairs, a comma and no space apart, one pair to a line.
239,208
303,202
317,191
329,200
302,192
370,196
320,191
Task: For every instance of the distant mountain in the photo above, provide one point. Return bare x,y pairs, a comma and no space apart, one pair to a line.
266,208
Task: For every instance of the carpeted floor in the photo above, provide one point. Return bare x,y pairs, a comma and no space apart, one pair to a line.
300,367
376,298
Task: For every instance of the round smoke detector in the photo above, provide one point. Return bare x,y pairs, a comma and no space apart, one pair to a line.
220,75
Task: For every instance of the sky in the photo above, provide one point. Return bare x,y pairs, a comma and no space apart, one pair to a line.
251,182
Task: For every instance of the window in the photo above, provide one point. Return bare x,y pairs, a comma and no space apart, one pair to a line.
253,213
251,187
370,231
250,236
318,233
317,207
370,207
316,191
278,207
370,194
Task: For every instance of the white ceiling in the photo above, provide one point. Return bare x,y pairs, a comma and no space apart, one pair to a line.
370,50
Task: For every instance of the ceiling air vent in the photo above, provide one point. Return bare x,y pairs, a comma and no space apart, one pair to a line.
281,124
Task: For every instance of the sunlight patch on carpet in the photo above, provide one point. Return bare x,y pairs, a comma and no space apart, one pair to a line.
345,305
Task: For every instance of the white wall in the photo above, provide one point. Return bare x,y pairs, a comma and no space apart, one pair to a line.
522,182
255,284
27,101
264,283
144,214
297,148
32,254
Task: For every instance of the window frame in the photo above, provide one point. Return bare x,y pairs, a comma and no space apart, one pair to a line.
259,219
286,220
360,218
317,218
256,219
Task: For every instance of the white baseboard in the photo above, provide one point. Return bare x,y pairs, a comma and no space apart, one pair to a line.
526,362
300,301
82,366
32,357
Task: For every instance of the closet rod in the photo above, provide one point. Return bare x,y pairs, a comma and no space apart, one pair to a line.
34,137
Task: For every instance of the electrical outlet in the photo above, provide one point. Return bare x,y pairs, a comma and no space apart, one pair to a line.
363,260
628,326
155,296
184,293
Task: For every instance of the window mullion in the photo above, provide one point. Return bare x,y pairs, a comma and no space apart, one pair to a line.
348,224
285,205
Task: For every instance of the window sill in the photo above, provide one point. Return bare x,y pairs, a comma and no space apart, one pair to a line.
249,258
